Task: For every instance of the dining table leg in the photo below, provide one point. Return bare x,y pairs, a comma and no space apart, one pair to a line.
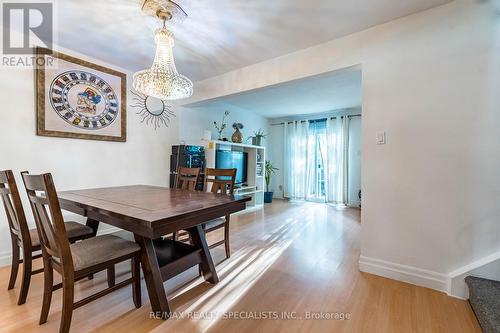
94,224
207,265
153,278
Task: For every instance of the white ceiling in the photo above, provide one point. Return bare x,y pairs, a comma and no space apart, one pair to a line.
340,89
219,35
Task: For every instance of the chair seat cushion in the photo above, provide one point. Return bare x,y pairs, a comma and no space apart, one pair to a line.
73,229
96,250
214,224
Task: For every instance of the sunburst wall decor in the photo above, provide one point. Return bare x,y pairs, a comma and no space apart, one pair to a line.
152,110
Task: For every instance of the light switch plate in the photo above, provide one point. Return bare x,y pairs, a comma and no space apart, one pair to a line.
380,138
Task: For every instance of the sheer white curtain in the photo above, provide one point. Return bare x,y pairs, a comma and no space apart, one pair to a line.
296,157
336,159
316,160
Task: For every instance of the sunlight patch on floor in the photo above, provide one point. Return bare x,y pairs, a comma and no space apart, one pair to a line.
244,268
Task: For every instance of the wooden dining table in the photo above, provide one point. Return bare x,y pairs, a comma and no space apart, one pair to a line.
150,212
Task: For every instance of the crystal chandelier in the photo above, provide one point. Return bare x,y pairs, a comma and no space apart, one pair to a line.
162,80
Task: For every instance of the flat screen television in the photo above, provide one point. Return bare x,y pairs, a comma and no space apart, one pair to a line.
227,159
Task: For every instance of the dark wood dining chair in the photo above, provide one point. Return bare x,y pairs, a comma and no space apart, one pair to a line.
219,181
187,178
74,261
25,239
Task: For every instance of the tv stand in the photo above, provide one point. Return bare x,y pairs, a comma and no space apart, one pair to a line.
254,187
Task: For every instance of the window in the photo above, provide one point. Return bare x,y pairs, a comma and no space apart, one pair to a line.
317,146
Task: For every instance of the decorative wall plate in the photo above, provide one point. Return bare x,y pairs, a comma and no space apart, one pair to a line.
152,110
79,99
83,100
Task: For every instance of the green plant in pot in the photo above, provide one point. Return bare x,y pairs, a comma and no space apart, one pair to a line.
269,171
257,137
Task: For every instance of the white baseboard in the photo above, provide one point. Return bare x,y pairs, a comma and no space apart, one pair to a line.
6,256
486,267
408,274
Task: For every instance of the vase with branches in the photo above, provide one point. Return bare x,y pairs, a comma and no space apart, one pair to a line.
220,127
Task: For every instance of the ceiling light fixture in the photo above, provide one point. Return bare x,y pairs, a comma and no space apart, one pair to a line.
162,80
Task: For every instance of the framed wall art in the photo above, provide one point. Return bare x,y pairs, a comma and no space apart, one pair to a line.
78,99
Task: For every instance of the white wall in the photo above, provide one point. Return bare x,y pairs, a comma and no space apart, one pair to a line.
275,152
354,162
74,164
194,120
430,80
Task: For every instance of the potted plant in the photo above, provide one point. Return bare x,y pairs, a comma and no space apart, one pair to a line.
269,171
257,137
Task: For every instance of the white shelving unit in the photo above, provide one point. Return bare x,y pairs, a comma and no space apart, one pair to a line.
254,188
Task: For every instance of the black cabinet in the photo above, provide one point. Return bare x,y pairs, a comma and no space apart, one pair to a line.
187,156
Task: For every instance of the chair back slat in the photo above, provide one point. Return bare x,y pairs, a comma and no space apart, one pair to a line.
220,180
13,206
39,200
47,232
187,178
48,216
12,218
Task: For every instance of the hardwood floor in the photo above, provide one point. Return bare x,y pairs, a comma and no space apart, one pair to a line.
287,260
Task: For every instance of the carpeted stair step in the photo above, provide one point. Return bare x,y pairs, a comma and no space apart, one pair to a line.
484,297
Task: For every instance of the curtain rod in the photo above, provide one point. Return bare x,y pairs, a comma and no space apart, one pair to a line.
291,122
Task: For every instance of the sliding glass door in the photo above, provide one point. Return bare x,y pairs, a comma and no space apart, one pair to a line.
316,164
